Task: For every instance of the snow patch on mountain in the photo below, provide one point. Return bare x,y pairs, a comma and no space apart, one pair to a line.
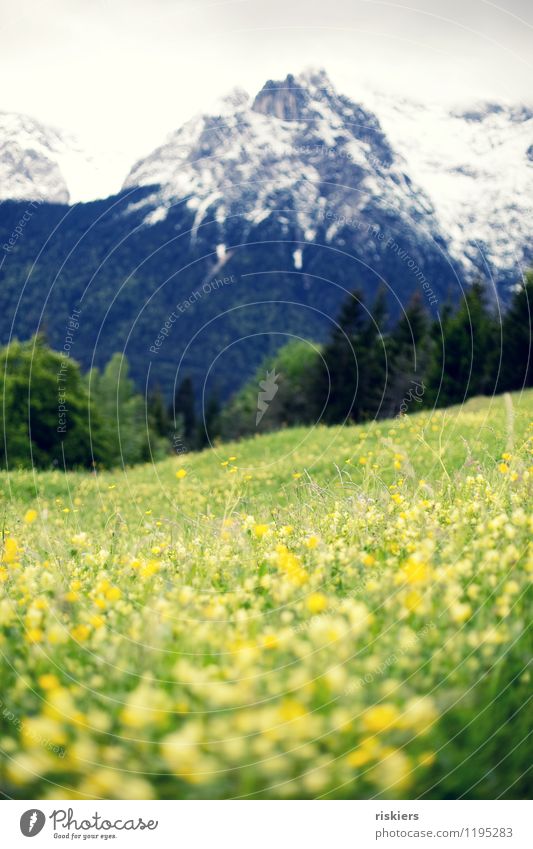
473,163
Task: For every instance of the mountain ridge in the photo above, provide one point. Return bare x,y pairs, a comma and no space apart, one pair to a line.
467,171
449,185
296,211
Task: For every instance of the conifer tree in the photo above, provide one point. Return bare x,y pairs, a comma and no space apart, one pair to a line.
464,357
157,413
209,428
336,378
372,361
183,408
517,334
351,376
408,354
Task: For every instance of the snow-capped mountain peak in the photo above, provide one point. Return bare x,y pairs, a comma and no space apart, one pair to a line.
297,151
29,160
463,176
286,99
40,162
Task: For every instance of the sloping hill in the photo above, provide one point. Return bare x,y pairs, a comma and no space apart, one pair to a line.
335,612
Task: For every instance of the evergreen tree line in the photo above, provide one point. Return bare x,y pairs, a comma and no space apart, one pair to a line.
54,415
368,369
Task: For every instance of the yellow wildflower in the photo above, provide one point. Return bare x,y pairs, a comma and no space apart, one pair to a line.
413,600
290,564
393,772
380,718
316,602
34,635
368,560
48,681
365,752
419,715
11,550
80,633
270,641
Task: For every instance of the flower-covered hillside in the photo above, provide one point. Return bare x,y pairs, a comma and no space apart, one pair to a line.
335,612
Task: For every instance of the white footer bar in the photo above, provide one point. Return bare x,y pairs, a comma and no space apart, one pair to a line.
267,824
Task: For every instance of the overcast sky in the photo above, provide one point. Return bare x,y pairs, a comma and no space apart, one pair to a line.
123,73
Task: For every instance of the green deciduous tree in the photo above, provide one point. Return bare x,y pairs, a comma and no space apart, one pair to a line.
47,416
292,371
123,412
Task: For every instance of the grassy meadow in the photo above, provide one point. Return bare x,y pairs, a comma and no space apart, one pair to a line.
327,612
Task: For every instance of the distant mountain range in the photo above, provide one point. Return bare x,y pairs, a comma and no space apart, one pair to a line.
42,162
291,197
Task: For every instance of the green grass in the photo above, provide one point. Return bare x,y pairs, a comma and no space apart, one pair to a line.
333,612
